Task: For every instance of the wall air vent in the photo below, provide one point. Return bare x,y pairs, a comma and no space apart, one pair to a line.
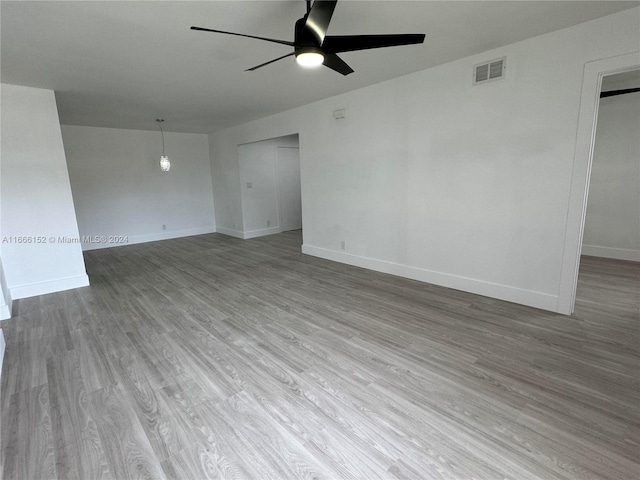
489,71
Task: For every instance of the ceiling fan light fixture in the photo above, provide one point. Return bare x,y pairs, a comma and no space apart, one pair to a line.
312,46
310,58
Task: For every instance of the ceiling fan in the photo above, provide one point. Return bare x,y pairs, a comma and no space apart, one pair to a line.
313,47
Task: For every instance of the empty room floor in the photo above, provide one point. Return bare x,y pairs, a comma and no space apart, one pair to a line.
212,357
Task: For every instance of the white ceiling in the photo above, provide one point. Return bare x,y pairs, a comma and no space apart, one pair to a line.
124,63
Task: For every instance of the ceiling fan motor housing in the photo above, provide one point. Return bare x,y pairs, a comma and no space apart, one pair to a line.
304,41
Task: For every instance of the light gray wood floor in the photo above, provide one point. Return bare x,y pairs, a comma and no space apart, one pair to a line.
211,357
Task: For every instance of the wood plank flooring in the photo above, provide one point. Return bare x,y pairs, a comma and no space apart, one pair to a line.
212,357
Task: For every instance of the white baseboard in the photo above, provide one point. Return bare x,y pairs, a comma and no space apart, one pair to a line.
262,232
250,233
2,347
608,252
154,237
530,298
50,286
230,232
5,311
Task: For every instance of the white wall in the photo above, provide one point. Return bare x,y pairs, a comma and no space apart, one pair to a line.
260,187
36,197
612,226
5,295
435,179
2,348
119,189
289,194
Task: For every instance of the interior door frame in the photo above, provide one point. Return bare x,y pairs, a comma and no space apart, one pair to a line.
582,162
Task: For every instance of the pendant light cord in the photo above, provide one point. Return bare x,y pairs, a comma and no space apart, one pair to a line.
160,120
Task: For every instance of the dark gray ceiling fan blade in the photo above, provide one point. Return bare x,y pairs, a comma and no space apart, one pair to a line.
350,43
334,62
319,17
272,40
267,63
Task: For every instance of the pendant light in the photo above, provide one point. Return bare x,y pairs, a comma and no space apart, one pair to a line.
165,164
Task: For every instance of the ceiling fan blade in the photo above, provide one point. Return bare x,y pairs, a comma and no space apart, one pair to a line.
272,40
267,63
319,17
334,62
350,43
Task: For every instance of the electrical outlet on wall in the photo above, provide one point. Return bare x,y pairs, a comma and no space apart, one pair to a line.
164,227
268,223
343,245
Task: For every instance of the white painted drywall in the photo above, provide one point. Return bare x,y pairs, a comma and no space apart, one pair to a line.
5,294
120,191
261,177
289,194
37,205
258,185
438,180
2,348
612,225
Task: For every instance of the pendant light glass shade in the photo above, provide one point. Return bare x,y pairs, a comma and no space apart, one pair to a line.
165,164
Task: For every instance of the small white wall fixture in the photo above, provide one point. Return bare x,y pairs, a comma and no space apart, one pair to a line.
583,159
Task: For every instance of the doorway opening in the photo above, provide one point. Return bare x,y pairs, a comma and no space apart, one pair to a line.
270,186
609,268
612,222
594,73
